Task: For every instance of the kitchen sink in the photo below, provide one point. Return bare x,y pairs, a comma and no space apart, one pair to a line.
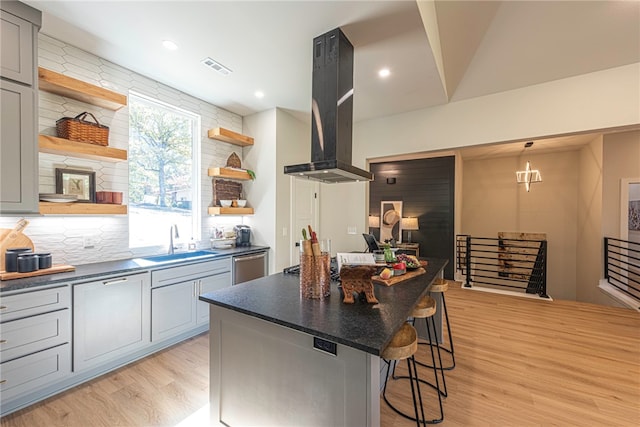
159,259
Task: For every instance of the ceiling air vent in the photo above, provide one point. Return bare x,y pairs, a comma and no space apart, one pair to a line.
216,66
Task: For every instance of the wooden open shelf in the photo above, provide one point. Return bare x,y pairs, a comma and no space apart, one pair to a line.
229,136
229,173
57,83
65,147
217,210
48,208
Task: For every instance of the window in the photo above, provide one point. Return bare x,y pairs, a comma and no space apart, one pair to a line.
164,176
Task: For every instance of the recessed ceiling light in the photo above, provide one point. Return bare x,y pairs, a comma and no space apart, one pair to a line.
384,73
259,94
168,44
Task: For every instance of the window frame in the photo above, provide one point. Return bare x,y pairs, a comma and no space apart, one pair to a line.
196,155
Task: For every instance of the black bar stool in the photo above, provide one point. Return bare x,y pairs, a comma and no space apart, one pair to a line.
404,345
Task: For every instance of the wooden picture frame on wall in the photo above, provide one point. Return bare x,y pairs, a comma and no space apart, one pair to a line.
390,221
81,183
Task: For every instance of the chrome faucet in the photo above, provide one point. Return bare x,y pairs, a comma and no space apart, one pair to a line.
171,232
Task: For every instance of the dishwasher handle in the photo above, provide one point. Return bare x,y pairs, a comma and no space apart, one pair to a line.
248,258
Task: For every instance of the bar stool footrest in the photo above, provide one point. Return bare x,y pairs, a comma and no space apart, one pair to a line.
433,386
399,412
442,368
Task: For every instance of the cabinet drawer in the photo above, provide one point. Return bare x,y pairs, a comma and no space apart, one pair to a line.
32,334
34,371
189,272
37,302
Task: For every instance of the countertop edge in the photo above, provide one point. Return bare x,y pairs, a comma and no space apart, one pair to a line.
86,272
376,347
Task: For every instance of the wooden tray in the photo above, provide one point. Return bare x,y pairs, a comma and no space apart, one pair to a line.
60,268
397,279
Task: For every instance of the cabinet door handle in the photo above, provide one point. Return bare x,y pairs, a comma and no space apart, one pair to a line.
199,287
195,289
3,307
3,341
114,282
3,381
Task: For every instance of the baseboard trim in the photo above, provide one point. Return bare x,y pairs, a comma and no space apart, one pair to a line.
613,292
506,292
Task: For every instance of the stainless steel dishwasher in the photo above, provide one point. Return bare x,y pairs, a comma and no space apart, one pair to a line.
249,267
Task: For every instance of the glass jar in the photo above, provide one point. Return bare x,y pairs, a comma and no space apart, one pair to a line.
315,269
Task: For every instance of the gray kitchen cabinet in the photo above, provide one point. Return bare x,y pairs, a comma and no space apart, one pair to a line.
174,296
18,152
19,26
35,343
173,310
209,284
17,44
110,319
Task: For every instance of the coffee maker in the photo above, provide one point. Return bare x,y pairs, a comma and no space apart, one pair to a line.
243,235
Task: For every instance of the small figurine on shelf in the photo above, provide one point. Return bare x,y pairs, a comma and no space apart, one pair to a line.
234,161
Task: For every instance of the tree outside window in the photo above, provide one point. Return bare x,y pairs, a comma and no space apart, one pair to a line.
163,172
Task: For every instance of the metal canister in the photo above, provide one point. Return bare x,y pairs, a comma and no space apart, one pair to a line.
11,258
27,262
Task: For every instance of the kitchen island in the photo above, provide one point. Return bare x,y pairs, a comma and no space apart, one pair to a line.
278,359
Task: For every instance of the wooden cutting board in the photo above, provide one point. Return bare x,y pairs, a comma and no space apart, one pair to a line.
60,268
397,279
14,238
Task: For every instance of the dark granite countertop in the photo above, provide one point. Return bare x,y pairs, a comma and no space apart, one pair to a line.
124,266
367,327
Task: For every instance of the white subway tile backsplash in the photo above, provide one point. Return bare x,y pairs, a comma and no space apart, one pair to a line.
50,45
86,65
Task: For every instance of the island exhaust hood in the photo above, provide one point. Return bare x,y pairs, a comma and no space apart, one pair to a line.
331,113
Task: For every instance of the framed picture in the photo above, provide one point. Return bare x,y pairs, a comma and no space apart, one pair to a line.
390,221
630,209
77,182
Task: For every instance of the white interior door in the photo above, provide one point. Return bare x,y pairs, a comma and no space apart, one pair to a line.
305,195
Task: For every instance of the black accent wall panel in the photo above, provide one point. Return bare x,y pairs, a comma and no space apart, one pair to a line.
426,188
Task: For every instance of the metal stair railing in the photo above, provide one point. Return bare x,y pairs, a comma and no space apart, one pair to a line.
622,266
519,264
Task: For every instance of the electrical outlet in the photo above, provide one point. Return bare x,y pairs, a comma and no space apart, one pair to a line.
89,241
284,231
352,229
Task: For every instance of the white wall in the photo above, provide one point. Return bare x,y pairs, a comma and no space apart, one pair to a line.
342,206
294,147
262,192
621,159
589,249
63,236
281,139
600,100
494,202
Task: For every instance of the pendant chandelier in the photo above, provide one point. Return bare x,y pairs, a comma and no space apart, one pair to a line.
528,176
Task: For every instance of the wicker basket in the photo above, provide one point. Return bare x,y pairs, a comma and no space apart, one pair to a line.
78,129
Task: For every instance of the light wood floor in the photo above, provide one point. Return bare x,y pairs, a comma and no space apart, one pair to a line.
520,362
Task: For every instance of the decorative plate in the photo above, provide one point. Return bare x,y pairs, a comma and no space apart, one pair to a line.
58,198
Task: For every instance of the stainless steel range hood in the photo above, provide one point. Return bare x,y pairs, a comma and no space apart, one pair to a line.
331,114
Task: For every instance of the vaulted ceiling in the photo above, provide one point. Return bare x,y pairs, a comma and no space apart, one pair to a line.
437,52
